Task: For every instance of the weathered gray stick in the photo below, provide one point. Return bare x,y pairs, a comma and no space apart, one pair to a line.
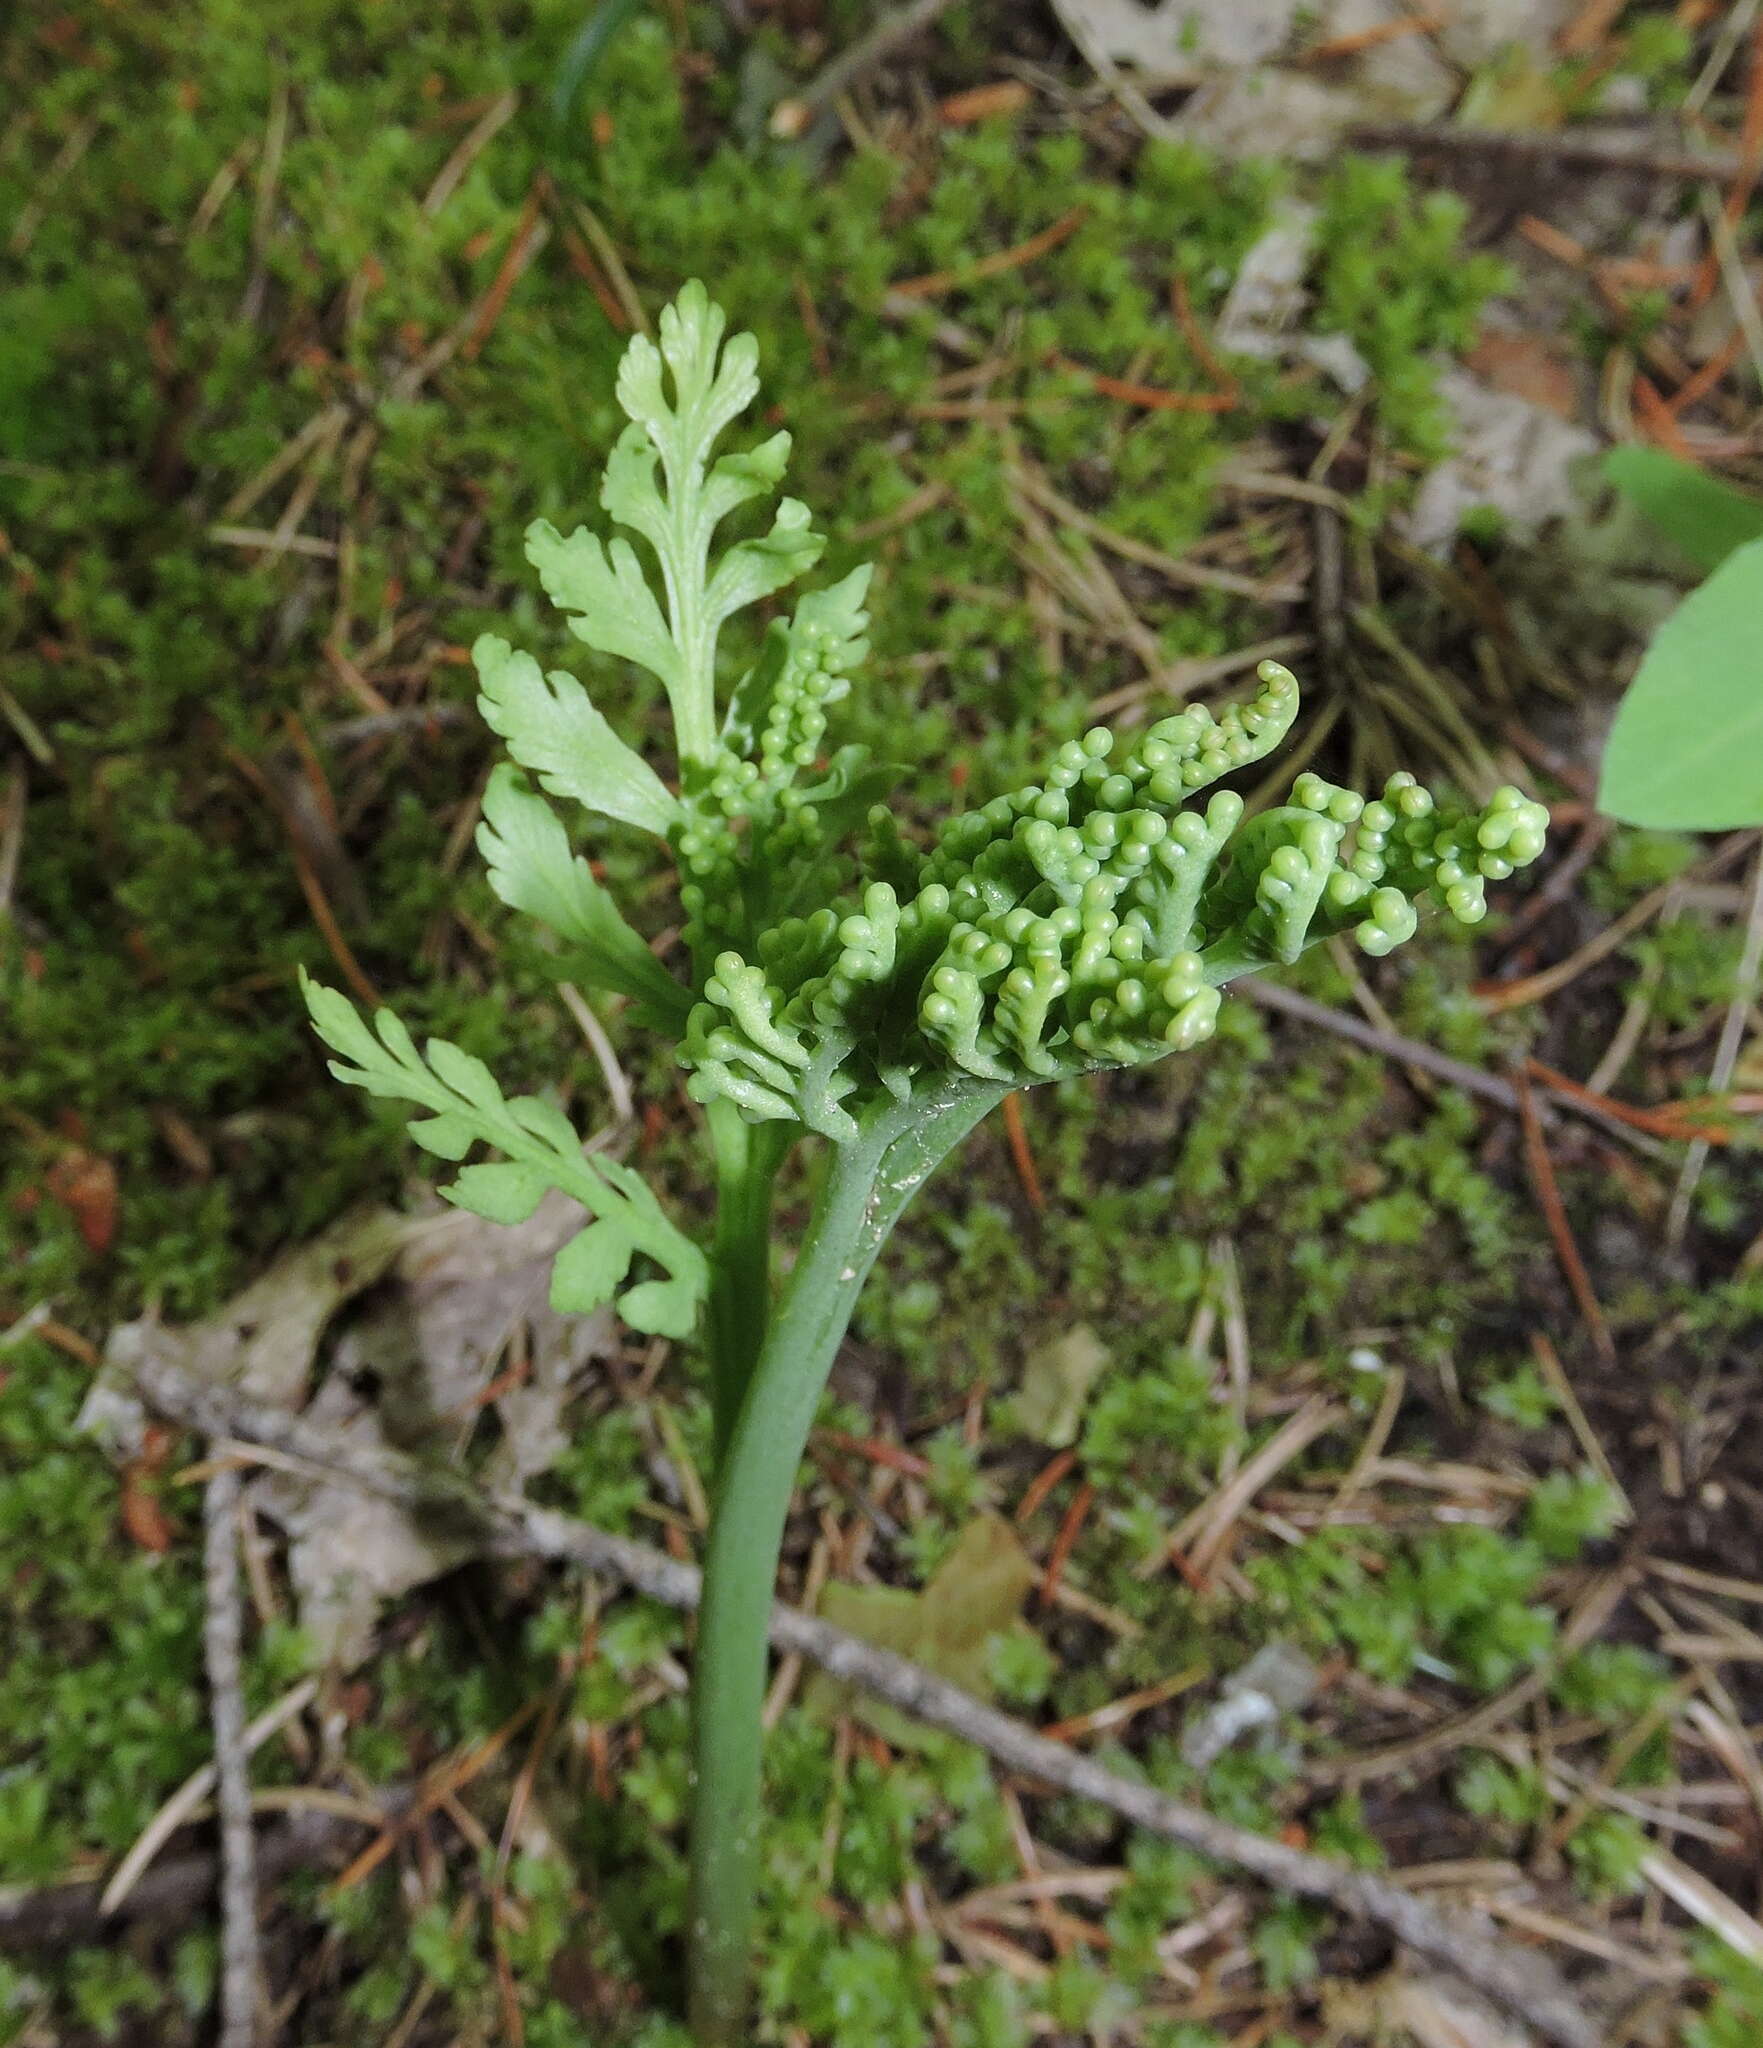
240,1961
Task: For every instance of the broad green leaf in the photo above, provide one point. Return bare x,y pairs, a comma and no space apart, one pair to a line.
743,474
338,1022
532,869
630,491
507,1191
711,383
588,1269
543,1150
753,569
553,729
660,1308
447,1137
1686,751
604,588
1702,516
546,1122
465,1074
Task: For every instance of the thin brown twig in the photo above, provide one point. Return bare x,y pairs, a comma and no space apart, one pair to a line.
62,1915
530,236
507,1991
1022,1154
1195,335
1621,1753
1522,1983
1549,1361
1659,421
130,1875
1149,397
1042,1484
605,251
31,216
794,116
1548,981
1174,568
11,835
287,527
310,886
1730,262
35,740
581,260
327,420
221,188
274,543
1554,1210
1744,181
935,282
1108,1719
1412,1052
1376,1441
1599,1602
1357,41
1680,1120
1590,24
1070,1529
443,1781
451,175
269,174
894,1457
1209,1531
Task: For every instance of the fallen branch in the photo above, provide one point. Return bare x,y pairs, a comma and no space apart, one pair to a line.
240,1960
1523,1983
1543,152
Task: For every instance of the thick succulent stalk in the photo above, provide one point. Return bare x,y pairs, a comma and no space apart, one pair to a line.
868,1183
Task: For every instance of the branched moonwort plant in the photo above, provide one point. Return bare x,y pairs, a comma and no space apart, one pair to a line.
837,980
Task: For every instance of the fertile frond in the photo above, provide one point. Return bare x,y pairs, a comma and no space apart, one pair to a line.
1088,920
541,1151
762,835
780,704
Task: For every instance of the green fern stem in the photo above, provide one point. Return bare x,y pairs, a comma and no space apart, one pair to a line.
684,573
867,1184
738,1306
